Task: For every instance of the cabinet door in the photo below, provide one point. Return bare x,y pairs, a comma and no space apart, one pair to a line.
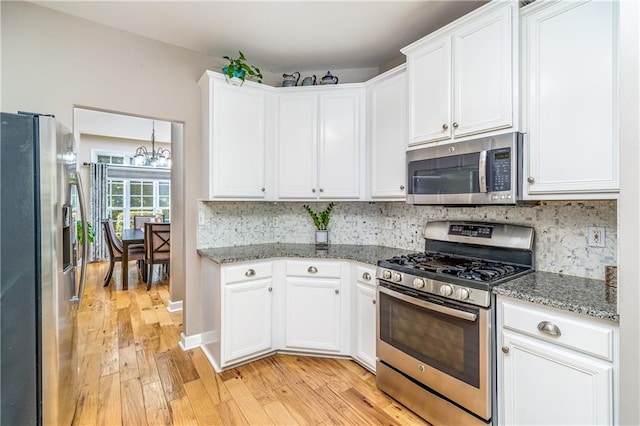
247,320
297,142
238,151
429,78
366,325
387,137
571,73
547,384
340,145
482,84
312,314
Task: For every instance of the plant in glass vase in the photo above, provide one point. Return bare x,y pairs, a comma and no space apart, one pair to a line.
238,69
321,221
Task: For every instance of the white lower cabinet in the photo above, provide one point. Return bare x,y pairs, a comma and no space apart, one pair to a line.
313,306
364,317
247,312
554,367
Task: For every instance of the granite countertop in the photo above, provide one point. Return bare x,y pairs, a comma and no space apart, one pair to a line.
576,294
360,253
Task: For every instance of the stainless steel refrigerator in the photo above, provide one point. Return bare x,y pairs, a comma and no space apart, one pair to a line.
41,276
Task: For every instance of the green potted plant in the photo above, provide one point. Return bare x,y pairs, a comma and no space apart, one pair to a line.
321,221
238,69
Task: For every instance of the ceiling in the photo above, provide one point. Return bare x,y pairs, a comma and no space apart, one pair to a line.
279,36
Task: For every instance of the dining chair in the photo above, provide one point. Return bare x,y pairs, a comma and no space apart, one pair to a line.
114,244
139,221
157,246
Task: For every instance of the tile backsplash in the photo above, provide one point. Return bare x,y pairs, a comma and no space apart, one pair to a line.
560,226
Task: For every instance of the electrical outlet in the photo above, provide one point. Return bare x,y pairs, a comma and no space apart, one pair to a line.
201,218
596,237
388,223
275,222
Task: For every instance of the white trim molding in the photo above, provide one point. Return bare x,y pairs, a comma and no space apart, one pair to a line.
174,306
189,342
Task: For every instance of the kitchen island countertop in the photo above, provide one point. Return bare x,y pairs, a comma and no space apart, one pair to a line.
359,253
576,294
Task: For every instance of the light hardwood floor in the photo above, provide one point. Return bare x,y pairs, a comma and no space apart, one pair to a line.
132,372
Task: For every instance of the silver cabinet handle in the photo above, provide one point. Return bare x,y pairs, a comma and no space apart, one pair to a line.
337,291
455,125
262,189
445,126
250,273
312,269
321,189
549,328
401,187
270,289
530,179
373,301
505,349
366,276
313,190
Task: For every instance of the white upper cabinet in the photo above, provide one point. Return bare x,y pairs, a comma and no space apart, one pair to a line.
234,122
387,135
570,99
461,77
319,143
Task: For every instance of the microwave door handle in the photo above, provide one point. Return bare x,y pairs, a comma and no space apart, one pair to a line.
482,171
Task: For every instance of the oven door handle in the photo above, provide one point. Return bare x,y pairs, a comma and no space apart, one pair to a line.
468,316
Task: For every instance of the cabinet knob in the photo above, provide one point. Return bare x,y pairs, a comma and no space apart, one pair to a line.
337,291
312,269
321,189
549,328
505,349
445,126
250,273
373,301
270,289
401,187
262,189
313,190
455,125
366,276
530,179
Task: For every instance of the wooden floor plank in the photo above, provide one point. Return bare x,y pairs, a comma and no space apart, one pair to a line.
128,363
147,366
248,404
109,409
184,363
125,332
182,413
230,413
202,404
155,404
211,381
169,376
358,400
133,410
279,414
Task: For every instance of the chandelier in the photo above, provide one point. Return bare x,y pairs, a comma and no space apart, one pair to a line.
160,157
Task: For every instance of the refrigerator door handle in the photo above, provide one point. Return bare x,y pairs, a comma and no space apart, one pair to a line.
85,248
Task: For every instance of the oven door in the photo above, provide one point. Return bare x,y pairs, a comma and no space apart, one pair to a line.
442,344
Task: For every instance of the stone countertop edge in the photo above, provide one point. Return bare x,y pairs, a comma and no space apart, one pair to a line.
361,253
585,296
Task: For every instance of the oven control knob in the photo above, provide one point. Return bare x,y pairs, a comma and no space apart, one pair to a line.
462,293
386,275
397,277
418,283
446,290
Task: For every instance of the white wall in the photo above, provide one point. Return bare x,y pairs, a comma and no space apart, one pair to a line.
53,62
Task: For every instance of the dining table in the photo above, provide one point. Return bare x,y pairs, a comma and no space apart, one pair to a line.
129,237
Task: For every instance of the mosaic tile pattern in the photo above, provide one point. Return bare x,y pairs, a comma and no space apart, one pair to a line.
560,241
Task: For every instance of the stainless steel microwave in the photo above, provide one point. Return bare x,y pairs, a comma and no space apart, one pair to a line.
486,170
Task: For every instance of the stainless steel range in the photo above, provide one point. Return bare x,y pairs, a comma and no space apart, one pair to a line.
436,323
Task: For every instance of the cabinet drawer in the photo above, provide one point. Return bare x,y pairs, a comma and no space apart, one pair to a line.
247,271
366,275
314,268
575,333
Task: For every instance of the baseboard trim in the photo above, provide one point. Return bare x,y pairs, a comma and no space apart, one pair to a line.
189,342
174,306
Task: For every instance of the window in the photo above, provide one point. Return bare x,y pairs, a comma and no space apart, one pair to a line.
134,196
